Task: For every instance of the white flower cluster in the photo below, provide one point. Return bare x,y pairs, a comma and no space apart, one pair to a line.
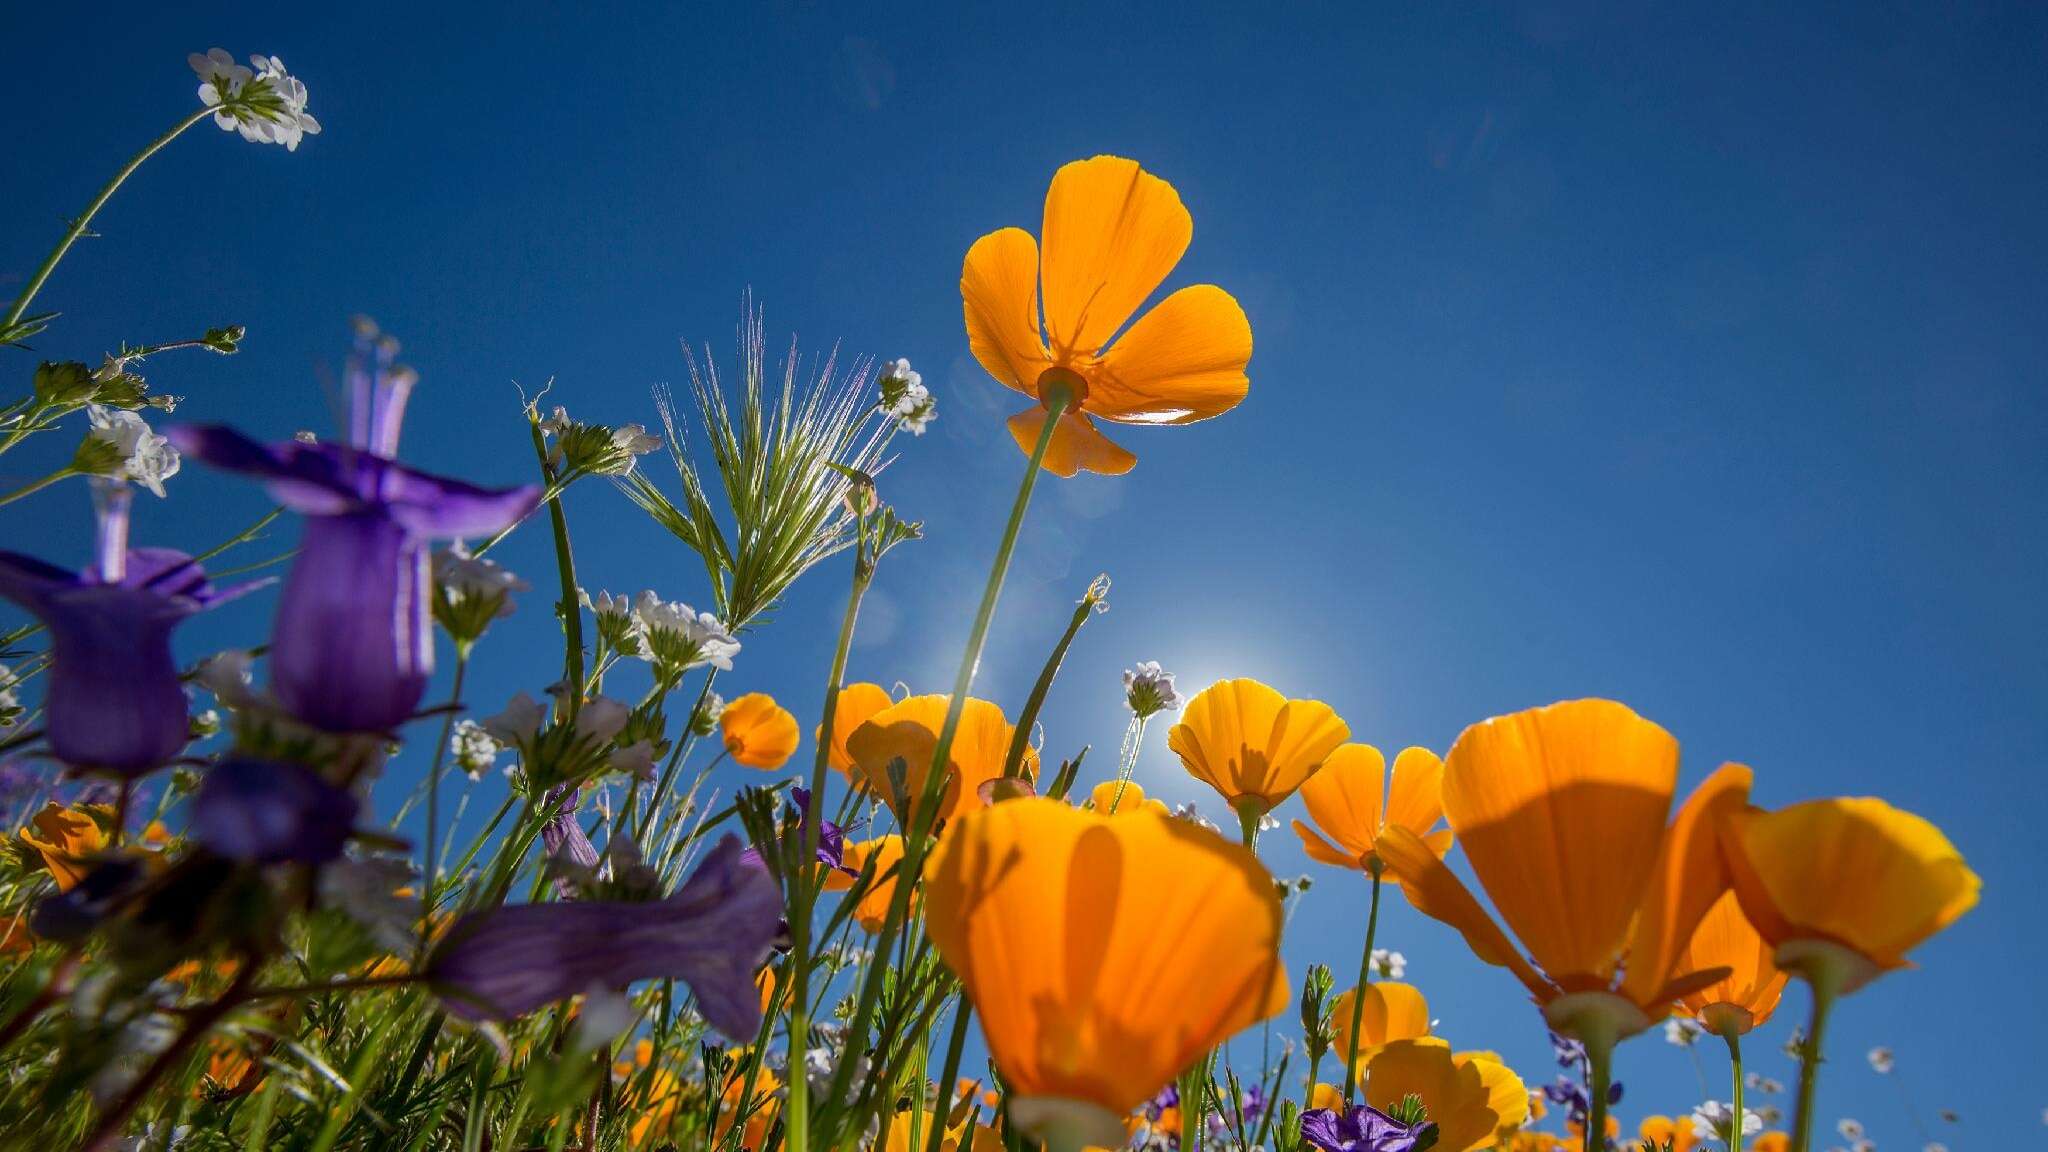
1881,1060
139,453
1148,689
1389,965
596,448
1715,1120
473,578
1682,1031
905,399
680,638
264,103
598,720
474,748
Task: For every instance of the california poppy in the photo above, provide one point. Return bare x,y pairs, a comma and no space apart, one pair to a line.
1746,997
857,704
67,839
1561,811
1662,1132
1455,1093
1054,919
1119,797
758,732
1252,744
1351,799
883,854
908,732
1392,1011
1112,233
1505,1092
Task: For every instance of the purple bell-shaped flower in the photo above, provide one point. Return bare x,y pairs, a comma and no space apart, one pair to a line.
114,702
353,646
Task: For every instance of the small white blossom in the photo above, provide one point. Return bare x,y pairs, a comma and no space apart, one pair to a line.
1681,1031
468,577
474,748
680,638
1795,1045
220,80
10,703
1149,689
1880,1060
601,718
1714,1120
1849,1128
519,722
1389,965
1268,822
605,1016
635,759
634,440
1758,1082
144,457
905,399
1189,813
266,104
227,675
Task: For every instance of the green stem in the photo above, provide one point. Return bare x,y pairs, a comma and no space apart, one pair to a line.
1013,764
1600,1060
78,226
1192,1088
1734,1039
667,782
1372,926
924,811
35,486
565,565
1824,992
434,799
949,1072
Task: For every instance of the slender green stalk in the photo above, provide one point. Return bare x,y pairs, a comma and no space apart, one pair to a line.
565,564
35,486
1824,992
1372,925
1600,1061
950,1071
434,799
1193,1085
78,226
925,810
1734,1039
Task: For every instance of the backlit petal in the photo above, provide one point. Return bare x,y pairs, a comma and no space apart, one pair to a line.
908,731
1347,798
1244,739
999,290
1321,850
1726,938
1181,362
857,704
1688,878
1436,892
1561,811
1393,1011
1077,445
758,732
1415,795
1455,1094
1112,233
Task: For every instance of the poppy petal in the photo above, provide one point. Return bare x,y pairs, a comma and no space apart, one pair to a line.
1181,362
1112,233
1077,445
1436,892
1689,877
999,289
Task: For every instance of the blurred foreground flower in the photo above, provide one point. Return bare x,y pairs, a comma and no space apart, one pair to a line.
1112,232
352,648
713,934
1053,917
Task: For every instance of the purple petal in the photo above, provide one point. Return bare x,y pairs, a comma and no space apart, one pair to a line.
435,506
25,579
115,703
713,934
272,813
1319,1127
314,479
352,648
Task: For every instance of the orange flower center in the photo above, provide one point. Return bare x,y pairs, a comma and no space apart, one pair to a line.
1057,382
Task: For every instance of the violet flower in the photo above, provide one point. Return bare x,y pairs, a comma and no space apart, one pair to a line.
353,645
713,934
831,837
260,812
563,837
114,703
1361,1130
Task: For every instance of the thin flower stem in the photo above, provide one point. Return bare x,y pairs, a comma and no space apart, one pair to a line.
1372,925
1600,1062
78,226
1734,1039
1824,992
949,1071
684,743
242,537
35,486
926,807
798,1131
1192,1121
434,798
565,564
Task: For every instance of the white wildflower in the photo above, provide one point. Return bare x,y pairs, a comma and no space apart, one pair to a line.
10,701
1714,1120
1268,822
474,748
1389,965
1149,689
557,422
1880,1060
601,718
1758,1082
680,638
1189,813
905,399
266,104
634,440
227,675
140,454
1795,1045
220,81
470,577
1849,1128
635,759
605,1016
519,722
1682,1032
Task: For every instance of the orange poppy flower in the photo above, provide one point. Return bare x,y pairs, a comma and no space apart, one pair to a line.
1663,1131
1456,1093
909,731
67,839
857,704
1561,811
1053,918
1771,1142
1118,798
1252,744
1112,233
885,852
1351,800
1746,997
1392,1011
758,732
1505,1092
1852,884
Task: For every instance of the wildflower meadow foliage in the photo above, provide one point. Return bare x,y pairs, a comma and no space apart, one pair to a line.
208,940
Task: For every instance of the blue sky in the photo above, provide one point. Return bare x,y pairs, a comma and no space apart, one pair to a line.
1679,358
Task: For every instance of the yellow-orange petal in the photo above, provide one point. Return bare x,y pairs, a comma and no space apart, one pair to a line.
1053,919
1772,1142
1392,1011
1077,444
999,292
1122,797
1436,892
1505,1092
1415,792
1181,362
1347,798
1246,740
758,732
1561,812
1322,851
875,859
1746,997
908,731
66,839
1853,871
1456,1094
1688,877
1112,233
857,704
1663,1130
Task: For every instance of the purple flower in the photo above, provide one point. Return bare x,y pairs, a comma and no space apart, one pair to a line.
353,646
1361,1130
713,934
114,702
564,838
831,837
260,812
